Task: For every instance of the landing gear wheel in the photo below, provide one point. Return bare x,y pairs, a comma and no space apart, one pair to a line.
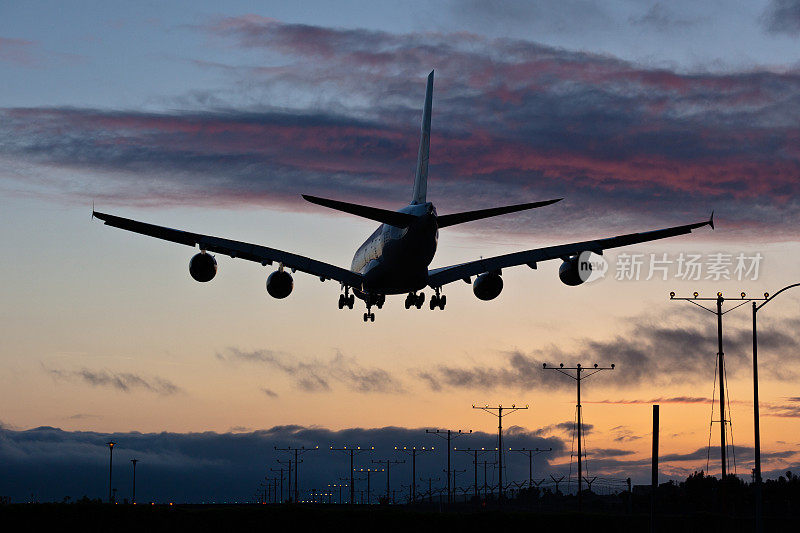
372,317
341,301
408,302
420,299
442,302
434,302
351,300
366,317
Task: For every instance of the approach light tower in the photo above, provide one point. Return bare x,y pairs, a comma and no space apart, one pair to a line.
720,300
111,445
451,434
531,453
133,497
578,377
413,451
351,451
499,414
297,452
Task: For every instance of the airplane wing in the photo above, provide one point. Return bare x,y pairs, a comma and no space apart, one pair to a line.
443,276
242,250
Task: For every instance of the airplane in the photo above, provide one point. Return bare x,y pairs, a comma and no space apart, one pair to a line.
395,258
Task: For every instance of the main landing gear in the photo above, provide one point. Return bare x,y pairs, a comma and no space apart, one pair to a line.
415,299
438,300
346,300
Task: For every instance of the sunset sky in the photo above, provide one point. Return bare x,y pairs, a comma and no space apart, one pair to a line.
641,115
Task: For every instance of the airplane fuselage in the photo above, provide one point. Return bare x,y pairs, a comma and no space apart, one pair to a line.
395,260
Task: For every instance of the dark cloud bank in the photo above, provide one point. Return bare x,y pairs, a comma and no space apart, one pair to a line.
622,142
51,463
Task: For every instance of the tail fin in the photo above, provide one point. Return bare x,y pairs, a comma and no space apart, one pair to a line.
421,176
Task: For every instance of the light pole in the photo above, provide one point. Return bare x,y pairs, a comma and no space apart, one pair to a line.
578,377
110,444
499,414
756,423
133,497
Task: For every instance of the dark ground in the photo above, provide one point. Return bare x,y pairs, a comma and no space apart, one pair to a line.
198,518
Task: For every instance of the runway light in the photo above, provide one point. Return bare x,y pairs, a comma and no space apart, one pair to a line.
766,295
743,295
696,294
612,366
672,294
719,295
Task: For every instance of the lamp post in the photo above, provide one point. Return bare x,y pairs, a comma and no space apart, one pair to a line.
133,497
756,423
110,444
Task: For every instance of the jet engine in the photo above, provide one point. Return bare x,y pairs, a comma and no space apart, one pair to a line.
488,286
569,272
280,284
203,267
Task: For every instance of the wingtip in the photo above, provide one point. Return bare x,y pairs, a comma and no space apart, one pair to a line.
711,219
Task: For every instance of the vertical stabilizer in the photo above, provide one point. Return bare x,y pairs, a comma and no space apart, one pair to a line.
421,176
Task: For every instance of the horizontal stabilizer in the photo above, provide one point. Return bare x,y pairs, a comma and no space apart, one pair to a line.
393,218
468,216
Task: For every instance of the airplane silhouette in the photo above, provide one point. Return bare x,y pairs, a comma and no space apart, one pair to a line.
395,258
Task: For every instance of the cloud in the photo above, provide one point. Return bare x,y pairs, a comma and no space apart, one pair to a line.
782,16
628,143
83,416
661,17
650,352
674,399
18,52
219,467
269,392
121,381
316,375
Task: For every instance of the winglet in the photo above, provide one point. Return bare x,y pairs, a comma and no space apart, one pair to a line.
711,220
92,209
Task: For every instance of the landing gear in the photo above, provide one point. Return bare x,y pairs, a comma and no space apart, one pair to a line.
415,299
369,315
438,300
346,300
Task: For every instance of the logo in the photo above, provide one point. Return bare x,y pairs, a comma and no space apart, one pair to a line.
591,267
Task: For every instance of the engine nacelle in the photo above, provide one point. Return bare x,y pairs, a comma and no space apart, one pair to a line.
488,286
280,284
203,267
570,271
